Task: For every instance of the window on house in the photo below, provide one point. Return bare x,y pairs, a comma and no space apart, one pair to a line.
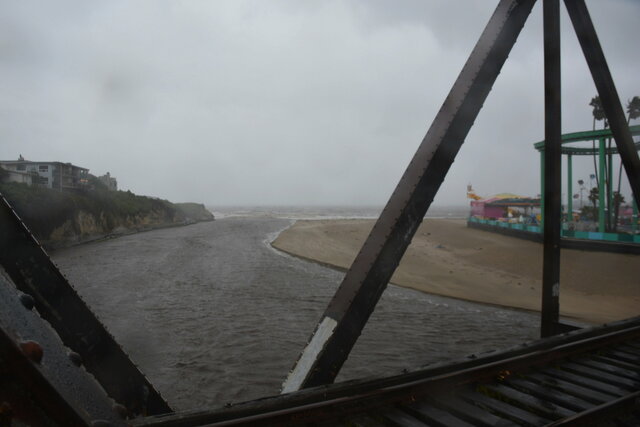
21,167
43,168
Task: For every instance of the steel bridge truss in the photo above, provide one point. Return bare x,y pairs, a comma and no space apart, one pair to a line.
93,380
364,283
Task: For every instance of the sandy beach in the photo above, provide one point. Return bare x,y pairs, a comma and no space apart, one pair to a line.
448,258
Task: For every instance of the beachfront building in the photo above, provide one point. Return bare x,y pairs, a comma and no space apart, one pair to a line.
507,207
609,221
109,181
56,175
10,175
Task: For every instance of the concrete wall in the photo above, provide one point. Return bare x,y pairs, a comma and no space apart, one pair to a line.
20,177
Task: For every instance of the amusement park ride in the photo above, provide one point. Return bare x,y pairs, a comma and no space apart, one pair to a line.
471,194
60,366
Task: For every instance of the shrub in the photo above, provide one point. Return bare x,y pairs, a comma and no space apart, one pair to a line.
43,209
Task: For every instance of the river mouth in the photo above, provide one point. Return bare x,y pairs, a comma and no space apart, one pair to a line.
212,315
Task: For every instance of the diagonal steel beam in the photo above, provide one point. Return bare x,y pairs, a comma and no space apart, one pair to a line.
552,171
47,401
364,283
594,55
35,274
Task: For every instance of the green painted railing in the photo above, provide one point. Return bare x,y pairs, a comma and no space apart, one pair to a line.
574,234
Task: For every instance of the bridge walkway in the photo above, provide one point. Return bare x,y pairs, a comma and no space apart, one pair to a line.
585,377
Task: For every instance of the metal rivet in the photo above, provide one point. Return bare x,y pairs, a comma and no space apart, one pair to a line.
27,301
120,410
32,350
75,358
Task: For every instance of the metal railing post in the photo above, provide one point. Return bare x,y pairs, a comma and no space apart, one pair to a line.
552,174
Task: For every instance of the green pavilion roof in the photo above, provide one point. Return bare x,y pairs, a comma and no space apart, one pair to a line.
589,135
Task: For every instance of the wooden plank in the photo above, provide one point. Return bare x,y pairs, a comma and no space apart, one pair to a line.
602,376
399,418
506,410
331,423
565,400
529,402
625,357
617,362
584,381
435,416
633,343
629,350
364,421
607,414
469,412
616,370
585,393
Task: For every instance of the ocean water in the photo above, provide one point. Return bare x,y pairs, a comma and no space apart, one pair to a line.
212,314
327,212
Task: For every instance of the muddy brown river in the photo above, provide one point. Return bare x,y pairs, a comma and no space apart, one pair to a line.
212,314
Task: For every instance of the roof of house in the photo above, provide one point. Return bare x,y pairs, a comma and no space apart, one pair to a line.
507,199
41,162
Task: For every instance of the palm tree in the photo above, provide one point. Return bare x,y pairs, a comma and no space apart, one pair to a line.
598,111
633,108
598,114
594,196
618,199
581,184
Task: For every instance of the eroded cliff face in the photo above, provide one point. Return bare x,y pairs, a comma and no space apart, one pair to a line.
85,226
64,218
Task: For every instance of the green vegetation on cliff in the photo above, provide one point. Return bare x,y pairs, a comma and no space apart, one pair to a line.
58,217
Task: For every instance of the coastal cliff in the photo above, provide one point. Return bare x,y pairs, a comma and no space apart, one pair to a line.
59,219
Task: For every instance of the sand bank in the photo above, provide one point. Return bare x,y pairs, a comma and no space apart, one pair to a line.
447,258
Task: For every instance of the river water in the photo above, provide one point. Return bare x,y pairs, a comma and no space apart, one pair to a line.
212,314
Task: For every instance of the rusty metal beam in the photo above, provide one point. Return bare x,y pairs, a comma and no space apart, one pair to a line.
33,273
40,400
552,171
41,381
592,50
364,283
323,405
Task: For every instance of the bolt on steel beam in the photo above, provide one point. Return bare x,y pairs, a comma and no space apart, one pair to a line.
33,273
592,50
552,172
50,405
364,283
41,380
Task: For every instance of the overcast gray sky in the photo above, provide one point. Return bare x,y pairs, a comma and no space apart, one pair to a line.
282,102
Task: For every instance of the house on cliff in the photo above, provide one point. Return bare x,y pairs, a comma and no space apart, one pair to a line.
109,181
55,175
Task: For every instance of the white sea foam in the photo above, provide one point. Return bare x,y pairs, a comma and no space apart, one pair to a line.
326,212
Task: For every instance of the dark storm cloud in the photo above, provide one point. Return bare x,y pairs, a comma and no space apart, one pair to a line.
280,102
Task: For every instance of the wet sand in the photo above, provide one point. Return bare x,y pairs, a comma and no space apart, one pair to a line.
448,258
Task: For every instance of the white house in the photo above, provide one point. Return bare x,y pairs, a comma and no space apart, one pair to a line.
109,181
56,175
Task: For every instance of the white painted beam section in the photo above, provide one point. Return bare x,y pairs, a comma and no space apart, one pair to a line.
309,355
